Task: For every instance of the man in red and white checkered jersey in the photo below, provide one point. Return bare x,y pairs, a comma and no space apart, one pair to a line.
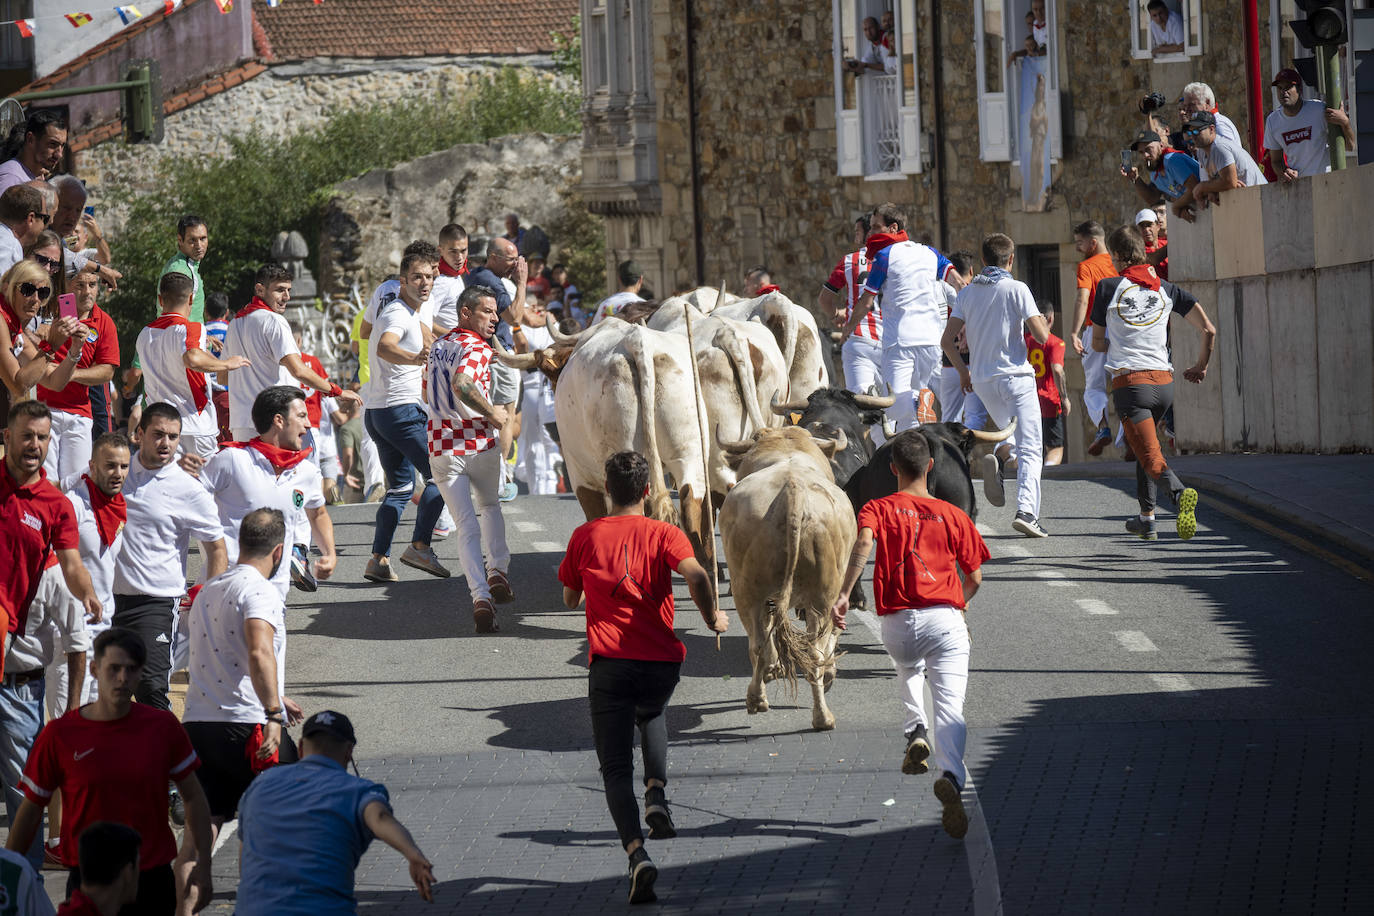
862,353
464,428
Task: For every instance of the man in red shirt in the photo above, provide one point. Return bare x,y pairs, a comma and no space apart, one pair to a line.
112,759
1047,359
623,563
923,545
70,449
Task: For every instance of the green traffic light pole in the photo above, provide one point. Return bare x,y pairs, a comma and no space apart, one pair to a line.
140,119
1329,57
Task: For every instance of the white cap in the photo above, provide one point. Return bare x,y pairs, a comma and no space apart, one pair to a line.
1146,216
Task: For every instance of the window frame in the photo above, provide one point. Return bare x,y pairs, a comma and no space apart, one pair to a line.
855,149
1190,10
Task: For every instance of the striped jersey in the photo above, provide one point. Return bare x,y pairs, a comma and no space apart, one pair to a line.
848,278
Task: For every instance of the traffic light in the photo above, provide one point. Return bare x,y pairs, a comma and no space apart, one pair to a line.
1325,25
141,102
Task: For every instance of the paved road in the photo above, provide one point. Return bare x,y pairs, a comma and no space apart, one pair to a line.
1154,727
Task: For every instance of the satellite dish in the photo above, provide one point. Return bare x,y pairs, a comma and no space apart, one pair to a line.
11,116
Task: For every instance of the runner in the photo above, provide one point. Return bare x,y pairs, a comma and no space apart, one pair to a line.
1134,309
622,563
923,545
1096,264
1047,359
861,353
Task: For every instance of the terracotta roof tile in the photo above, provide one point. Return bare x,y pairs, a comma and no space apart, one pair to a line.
412,28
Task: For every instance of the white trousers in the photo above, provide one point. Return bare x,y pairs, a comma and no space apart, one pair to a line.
908,370
372,465
862,358
326,454
1008,396
470,486
932,641
957,406
1094,379
537,451
69,449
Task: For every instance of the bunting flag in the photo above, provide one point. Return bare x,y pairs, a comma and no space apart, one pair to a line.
78,19
171,6
128,13
25,27
225,6
273,4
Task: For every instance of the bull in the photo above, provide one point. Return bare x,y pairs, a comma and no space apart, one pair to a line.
829,411
794,328
787,532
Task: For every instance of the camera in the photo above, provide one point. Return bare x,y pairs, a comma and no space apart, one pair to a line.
1153,102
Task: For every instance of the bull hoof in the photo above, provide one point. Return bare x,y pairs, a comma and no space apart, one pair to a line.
822,722
755,704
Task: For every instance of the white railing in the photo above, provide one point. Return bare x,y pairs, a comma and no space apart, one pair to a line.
878,114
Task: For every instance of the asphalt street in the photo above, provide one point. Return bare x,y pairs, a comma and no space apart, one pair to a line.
1153,726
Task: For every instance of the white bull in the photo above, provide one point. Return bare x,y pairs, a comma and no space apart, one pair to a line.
794,328
787,531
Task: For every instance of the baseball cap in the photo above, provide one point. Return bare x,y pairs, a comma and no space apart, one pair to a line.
629,272
328,722
1146,216
1201,119
1145,136
1287,75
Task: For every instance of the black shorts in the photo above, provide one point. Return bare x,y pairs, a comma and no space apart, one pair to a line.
1052,432
157,891
224,769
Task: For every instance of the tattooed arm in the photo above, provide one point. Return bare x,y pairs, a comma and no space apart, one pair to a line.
470,394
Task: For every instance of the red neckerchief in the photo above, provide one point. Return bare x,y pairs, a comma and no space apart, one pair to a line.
1159,169
281,459
110,511
257,305
193,378
766,289
1142,275
11,319
446,271
880,240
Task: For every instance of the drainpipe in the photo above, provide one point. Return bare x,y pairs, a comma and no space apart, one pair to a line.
1254,84
697,232
937,155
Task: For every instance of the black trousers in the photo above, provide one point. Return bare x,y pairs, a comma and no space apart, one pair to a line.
152,618
157,892
1141,408
627,694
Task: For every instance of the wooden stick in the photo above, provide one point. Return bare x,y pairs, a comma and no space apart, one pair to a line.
709,509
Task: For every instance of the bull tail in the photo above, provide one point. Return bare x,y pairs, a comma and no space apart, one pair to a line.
779,312
737,351
794,649
660,502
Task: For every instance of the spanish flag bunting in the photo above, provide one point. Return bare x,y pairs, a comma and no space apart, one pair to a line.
225,6
273,4
25,27
171,6
78,19
128,13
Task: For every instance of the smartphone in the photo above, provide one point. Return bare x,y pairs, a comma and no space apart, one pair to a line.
1127,160
66,305
89,211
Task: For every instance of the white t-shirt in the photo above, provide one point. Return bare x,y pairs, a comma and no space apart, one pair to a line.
242,480
1222,153
1302,139
394,385
994,316
1136,319
98,559
614,303
908,276
265,338
443,301
1171,34
166,508
11,251
221,686
166,378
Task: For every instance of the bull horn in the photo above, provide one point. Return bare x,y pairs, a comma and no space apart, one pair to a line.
513,360
786,407
996,436
559,336
831,447
889,428
873,402
738,447
837,336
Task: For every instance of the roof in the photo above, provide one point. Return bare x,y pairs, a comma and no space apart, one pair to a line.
412,28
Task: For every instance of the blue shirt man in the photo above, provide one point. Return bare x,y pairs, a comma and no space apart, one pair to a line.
305,826
1169,169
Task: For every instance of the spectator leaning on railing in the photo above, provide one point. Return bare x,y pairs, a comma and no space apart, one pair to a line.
1198,97
1169,169
1295,132
1223,166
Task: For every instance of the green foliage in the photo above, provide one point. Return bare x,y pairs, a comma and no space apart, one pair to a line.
581,238
267,185
567,52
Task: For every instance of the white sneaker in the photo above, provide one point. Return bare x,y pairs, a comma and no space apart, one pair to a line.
992,480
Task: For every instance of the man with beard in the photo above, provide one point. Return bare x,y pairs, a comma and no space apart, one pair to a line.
1169,169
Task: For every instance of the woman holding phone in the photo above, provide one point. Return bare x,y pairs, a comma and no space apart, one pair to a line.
26,358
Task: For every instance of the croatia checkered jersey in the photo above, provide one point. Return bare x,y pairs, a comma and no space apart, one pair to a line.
847,278
454,427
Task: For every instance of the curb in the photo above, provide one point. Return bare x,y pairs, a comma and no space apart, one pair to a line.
1284,513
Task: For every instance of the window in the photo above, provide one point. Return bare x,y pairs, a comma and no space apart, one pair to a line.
1186,14
1018,91
877,90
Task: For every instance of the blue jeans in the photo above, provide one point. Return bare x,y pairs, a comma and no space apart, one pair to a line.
21,718
401,440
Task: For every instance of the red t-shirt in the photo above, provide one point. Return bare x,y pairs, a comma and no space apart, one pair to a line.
1162,268
1090,270
100,349
312,395
112,771
33,521
1043,358
920,544
79,905
624,565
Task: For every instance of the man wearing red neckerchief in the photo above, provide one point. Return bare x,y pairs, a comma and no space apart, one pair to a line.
452,278
759,282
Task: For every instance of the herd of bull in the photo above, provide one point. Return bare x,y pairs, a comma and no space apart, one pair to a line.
729,401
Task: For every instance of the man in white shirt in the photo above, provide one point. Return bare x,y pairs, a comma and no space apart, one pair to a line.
45,139
1223,166
236,705
1198,96
993,312
631,281
876,56
462,435
166,508
260,334
272,470
395,419
452,278
22,218
1295,132
172,353
1166,29
538,452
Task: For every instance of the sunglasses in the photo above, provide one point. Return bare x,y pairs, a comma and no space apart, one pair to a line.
45,217
50,263
28,289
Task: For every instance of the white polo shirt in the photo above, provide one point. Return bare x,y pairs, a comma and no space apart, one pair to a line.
221,687
444,299
166,508
242,480
393,385
98,559
166,378
265,338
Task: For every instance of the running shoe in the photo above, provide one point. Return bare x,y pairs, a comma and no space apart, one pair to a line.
380,571
176,808
1104,436
1186,500
643,874
1143,528
484,616
509,491
301,576
424,560
442,530
501,591
992,480
657,815
1029,525
917,750
954,819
